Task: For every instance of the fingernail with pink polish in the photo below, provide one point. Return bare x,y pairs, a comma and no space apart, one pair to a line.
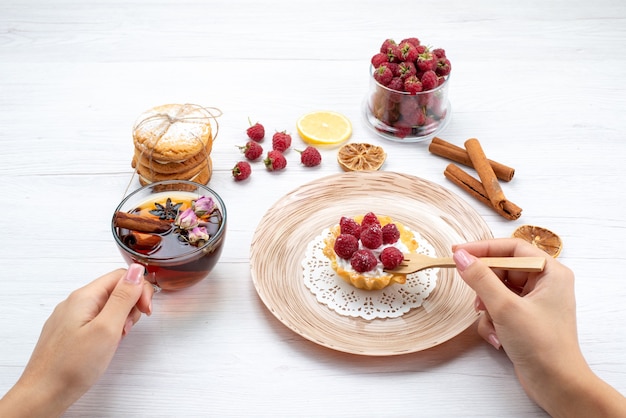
463,259
134,274
493,340
127,326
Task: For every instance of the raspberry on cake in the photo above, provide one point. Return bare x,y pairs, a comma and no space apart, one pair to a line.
362,261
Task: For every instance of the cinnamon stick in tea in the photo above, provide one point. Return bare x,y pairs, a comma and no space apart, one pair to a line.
140,223
457,154
474,187
141,240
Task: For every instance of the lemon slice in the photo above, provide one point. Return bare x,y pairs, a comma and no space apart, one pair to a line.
361,157
324,128
541,238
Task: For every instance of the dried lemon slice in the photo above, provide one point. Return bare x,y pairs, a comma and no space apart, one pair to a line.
541,238
361,156
324,128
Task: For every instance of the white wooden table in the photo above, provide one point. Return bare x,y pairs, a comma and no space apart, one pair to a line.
541,85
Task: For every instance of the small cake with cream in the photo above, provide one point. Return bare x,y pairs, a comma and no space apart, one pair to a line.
362,250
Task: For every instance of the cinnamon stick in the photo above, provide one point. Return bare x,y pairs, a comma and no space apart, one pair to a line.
140,223
474,187
485,172
141,240
457,154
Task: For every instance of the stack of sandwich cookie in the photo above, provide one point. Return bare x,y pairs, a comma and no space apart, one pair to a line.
174,142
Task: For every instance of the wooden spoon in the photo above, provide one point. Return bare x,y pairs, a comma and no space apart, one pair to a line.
415,262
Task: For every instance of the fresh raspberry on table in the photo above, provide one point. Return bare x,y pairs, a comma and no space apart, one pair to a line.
391,257
256,132
429,80
310,157
372,236
346,245
383,74
350,226
241,170
369,218
391,234
281,141
363,260
413,85
275,161
252,150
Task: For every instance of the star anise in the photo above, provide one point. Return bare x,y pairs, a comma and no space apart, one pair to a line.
167,212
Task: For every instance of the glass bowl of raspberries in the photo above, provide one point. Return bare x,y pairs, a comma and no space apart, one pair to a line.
408,94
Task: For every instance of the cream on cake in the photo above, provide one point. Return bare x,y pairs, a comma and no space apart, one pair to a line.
375,277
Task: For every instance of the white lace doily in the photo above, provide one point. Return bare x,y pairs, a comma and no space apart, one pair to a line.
391,302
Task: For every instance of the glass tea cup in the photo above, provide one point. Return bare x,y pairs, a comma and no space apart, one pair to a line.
174,228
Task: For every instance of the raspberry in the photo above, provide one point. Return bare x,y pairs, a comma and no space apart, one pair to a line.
384,48
369,218
281,141
241,170
393,54
407,52
394,67
252,150
390,233
379,59
413,41
391,257
439,52
402,131
363,260
256,132
383,74
346,245
406,69
429,80
275,160
310,157
413,85
426,99
350,226
408,105
372,236
426,61
443,66
396,83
